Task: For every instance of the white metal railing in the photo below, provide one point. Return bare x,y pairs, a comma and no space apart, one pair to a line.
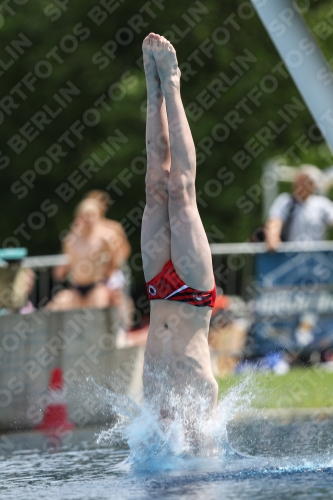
232,277
255,248
42,266
43,261
8,255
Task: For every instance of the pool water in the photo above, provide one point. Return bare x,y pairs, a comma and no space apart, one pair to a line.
300,466
132,460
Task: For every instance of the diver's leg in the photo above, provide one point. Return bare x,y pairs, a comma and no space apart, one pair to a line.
190,252
155,232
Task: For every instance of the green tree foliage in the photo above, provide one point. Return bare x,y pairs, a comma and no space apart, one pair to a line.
93,49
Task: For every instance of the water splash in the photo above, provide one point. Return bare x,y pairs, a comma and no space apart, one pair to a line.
156,444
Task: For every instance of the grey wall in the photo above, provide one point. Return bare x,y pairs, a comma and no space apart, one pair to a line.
83,344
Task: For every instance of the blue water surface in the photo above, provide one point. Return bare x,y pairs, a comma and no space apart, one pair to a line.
289,461
239,453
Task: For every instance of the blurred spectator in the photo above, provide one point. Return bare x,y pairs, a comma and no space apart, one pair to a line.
25,282
114,234
16,284
90,261
302,216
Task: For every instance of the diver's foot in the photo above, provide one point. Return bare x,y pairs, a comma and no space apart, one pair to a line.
166,62
152,77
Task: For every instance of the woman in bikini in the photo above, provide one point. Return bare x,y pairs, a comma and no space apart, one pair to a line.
175,251
90,261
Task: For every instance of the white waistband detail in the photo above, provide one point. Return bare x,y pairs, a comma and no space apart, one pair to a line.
173,293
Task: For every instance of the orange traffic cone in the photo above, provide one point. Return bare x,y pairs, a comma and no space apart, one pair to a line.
55,417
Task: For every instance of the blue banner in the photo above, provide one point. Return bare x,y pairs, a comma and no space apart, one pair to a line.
293,306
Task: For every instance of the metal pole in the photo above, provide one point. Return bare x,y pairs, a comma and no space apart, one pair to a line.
303,58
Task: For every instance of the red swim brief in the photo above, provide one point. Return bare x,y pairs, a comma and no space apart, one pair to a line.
167,285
